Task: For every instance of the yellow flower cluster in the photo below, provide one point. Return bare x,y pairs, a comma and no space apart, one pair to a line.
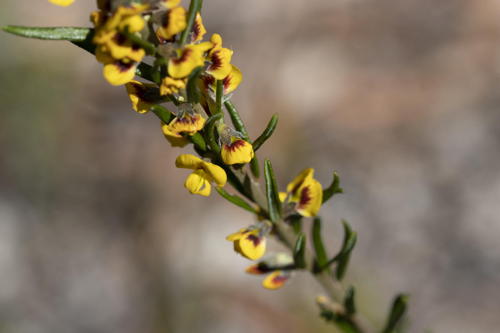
114,49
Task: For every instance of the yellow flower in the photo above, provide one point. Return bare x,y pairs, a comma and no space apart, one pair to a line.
232,80
275,280
204,173
63,3
173,22
142,95
306,192
171,86
237,152
119,47
187,125
119,72
198,29
220,59
190,57
250,243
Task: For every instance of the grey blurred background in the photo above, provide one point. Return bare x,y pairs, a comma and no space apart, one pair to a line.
401,97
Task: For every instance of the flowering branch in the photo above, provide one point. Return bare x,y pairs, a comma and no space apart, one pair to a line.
197,77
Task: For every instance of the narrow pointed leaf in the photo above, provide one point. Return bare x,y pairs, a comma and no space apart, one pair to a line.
319,247
194,7
238,201
299,251
350,238
236,119
273,201
209,131
398,310
254,167
193,92
295,220
199,142
219,92
271,126
162,113
349,303
333,189
74,34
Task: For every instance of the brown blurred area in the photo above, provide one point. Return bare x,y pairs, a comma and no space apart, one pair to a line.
401,97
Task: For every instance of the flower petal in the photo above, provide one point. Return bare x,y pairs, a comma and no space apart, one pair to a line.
173,22
216,173
232,80
175,139
188,161
198,29
197,183
297,181
137,92
189,58
275,280
220,66
251,246
239,151
237,235
62,3
310,198
118,73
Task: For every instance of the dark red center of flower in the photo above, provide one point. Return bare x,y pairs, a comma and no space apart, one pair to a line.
196,30
305,196
123,67
184,56
226,82
120,39
280,279
254,239
216,61
187,120
166,19
235,145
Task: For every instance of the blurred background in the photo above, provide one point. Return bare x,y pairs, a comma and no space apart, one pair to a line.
401,97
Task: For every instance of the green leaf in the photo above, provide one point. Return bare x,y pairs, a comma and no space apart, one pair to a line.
254,167
199,142
193,92
74,34
350,238
209,131
236,119
295,220
333,189
238,201
272,195
271,126
162,113
349,304
219,92
319,247
398,309
299,251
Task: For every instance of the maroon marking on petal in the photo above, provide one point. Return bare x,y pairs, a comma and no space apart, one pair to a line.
226,82
123,67
216,61
120,39
165,19
236,145
196,30
184,56
280,279
305,196
188,120
208,80
254,239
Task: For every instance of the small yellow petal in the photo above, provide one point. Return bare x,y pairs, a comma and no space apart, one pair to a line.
238,152
254,269
133,23
251,246
220,66
119,73
175,139
170,3
188,161
63,3
282,196
187,124
137,93
173,22
237,235
297,181
275,280
197,183
171,86
232,80
216,40
198,29
310,198
190,57
216,173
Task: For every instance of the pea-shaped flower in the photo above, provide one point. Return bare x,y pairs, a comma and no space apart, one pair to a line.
306,192
237,151
249,242
205,173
